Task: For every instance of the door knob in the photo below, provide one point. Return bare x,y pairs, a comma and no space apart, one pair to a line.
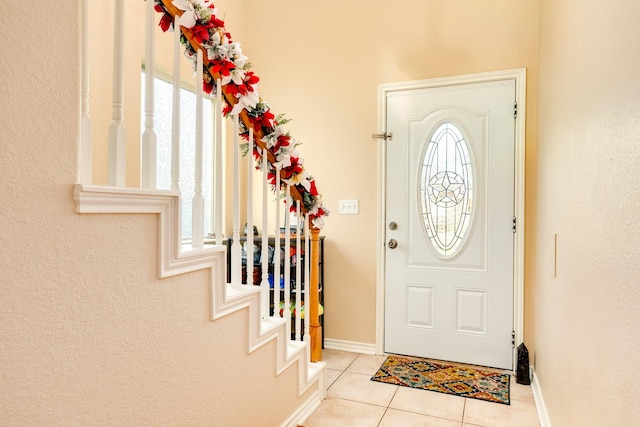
393,244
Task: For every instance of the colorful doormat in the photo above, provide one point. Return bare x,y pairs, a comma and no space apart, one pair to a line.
449,378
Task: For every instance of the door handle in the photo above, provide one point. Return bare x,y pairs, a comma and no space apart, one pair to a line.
393,244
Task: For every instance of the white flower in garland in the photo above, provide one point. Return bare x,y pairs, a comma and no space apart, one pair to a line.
318,205
237,76
283,158
272,139
217,47
190,9
248,101
235,55
301,178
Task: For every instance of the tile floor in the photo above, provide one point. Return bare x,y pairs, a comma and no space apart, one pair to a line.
355,401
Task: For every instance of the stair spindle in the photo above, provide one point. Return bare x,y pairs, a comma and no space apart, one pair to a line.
175,118
286,312
307,300
276,255
149,138
264,285
298,275
249,233
117,136
197,212
218,193
85,151
236,247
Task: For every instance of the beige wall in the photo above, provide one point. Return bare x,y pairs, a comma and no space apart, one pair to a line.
322,62
88,334
587,320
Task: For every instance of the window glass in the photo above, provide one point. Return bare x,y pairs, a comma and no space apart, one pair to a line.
163,123
446,189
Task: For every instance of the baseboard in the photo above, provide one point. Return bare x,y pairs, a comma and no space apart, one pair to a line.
543,416
304,411
352,346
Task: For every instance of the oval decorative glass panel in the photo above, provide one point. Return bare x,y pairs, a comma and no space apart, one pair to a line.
446,190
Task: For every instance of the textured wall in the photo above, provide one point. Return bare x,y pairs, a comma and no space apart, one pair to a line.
587,318
322,62
88,334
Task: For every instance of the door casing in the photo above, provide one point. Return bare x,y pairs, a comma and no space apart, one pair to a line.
519,162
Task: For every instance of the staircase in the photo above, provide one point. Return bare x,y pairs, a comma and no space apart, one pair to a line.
270,150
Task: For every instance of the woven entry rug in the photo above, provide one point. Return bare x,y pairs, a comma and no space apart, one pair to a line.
449,378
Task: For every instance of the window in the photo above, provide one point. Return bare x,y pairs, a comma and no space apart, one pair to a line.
446,189
163,123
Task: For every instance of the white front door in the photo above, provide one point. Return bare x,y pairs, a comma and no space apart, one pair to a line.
449,264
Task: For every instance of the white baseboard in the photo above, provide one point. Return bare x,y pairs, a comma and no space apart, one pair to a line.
543,416
305,411
352,346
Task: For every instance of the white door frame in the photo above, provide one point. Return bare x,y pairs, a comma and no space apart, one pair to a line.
518,254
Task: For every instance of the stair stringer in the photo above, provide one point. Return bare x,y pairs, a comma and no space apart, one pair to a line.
175,259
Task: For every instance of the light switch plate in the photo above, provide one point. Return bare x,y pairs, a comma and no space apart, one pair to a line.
348,207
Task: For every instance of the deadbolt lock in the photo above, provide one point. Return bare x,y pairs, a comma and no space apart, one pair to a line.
393,225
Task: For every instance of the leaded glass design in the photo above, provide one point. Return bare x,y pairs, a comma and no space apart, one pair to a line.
446,189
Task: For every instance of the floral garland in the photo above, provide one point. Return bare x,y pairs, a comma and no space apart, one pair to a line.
223,59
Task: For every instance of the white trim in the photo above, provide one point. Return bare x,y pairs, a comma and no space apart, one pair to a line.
518,257
304,411
174,259
543,415
351,346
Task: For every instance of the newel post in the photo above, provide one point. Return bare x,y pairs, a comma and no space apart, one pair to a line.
315,330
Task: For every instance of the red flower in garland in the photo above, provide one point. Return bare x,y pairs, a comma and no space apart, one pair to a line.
166,21
201,32
237,91
262,121
314,190
295,168
207,86
218,23
282,141
221,67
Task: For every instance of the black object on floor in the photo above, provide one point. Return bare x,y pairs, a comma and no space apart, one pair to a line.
522,371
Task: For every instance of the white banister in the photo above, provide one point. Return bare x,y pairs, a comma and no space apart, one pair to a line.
298,275
236,247
149,143
175,114
264,284
249,249
117,141
276,255
197,212
85,150
218,192
297,293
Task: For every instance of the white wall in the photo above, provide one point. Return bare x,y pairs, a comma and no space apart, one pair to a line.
88,334
586,318
321,64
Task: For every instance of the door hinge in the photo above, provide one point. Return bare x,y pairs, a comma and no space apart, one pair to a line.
515,110
385,136
514,224
513,339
